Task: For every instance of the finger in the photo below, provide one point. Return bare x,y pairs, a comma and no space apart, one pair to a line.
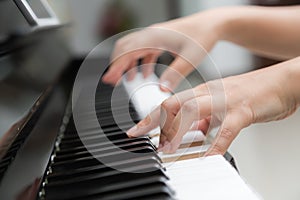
148,65
121,64
202,125
230,128
171,106
145,125
116,70
124,63
147,69
132,72
174,74
189,112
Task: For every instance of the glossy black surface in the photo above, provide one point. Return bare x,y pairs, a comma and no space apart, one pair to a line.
35,142
32,158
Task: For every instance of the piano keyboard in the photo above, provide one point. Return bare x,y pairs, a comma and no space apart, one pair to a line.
75,172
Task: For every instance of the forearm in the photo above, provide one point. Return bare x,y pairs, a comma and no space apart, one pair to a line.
279,83
273,32
291,70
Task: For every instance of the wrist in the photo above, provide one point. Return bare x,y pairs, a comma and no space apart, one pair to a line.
235,21
216,21
224,22
285,85
231,22
292,77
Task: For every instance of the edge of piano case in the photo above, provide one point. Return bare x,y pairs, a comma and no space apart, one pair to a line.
18,169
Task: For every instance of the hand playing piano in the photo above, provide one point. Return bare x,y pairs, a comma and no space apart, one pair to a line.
190,38
236,102
188,43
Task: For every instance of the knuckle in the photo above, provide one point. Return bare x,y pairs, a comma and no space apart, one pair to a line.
167,104
222,142
189,107
172,131
147,121
171,105
169,133
248,113
226,134
218,149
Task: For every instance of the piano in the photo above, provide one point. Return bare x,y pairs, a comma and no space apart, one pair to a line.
46,155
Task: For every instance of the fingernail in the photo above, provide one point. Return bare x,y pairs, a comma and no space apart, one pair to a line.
131,131
165,86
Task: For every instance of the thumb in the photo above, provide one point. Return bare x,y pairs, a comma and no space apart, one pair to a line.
230,128
174,74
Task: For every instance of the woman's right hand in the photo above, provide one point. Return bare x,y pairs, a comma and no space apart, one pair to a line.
188,39
233,103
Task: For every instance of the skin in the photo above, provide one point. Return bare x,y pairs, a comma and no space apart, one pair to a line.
236,102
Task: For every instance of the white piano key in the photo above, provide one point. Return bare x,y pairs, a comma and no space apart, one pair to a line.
188,138
208,178
184,152
145,93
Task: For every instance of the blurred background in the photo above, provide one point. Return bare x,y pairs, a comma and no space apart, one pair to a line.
267,155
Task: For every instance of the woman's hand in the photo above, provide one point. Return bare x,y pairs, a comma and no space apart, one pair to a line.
236,102
188,39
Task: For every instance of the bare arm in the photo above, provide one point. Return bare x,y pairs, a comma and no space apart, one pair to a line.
268,31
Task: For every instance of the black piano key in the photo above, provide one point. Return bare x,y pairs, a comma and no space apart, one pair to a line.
92,160
123,143
92,131
100,168
114,105
125,188
110,176
108,121
93,140
107,128
108,107
155,191
103,151
97,145
58,172
109,110
90,136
